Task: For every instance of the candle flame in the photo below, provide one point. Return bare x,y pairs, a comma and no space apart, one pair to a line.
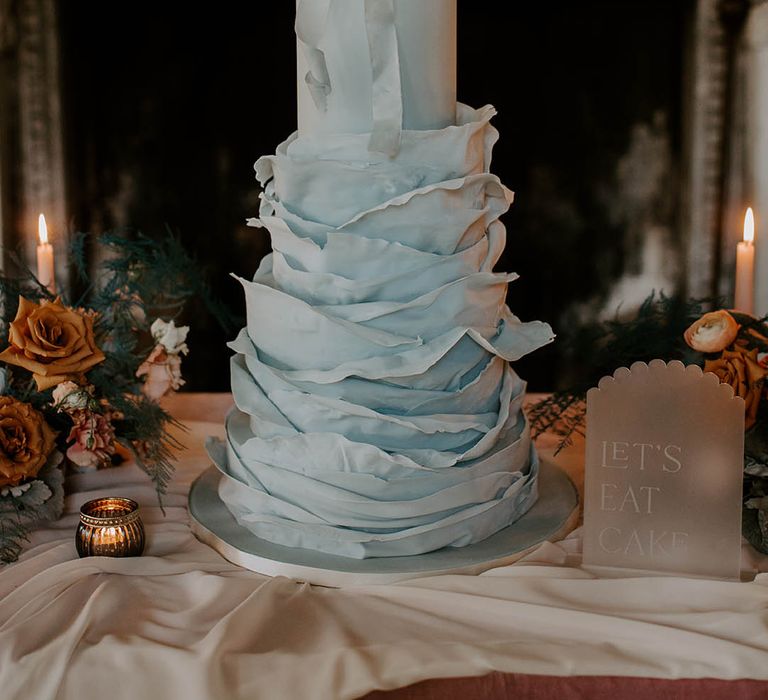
42,230
749,226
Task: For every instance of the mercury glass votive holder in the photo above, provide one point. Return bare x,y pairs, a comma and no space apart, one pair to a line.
110,527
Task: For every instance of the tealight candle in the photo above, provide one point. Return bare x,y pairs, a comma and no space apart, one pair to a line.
45,266
110,527
744,294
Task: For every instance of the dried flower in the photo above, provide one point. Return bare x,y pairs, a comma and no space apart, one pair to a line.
170,337
26,441
54,342
741,370
93,440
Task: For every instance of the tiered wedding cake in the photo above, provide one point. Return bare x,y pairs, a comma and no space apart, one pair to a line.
377,413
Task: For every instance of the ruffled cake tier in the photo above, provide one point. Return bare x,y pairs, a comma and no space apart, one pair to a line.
377,412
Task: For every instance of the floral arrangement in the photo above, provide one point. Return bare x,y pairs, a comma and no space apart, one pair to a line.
730,344
81,382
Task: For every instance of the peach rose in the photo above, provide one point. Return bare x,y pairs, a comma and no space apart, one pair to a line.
741,370
26,441
54,342
713,332
93,440
162,371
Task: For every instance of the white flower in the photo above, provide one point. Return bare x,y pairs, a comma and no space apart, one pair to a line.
170,337
15,491
69,396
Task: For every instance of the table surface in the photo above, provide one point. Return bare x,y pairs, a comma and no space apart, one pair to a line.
183,622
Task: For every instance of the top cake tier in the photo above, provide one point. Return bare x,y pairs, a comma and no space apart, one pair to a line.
368,65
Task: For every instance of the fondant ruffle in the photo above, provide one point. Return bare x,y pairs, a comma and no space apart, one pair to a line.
377,413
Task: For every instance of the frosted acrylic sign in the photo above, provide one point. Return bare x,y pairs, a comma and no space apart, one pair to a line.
663,480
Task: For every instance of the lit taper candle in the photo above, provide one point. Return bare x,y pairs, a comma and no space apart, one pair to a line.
45,266
744,296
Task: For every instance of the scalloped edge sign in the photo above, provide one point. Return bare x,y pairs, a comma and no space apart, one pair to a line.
663,472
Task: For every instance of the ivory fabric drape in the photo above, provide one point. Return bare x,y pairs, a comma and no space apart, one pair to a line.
182,622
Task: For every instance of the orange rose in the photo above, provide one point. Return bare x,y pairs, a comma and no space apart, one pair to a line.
713,332
26,441
52,341
741,370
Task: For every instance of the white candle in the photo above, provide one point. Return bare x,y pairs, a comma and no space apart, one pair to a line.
45,267
744,295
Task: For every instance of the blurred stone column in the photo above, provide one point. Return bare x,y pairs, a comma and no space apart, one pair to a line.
32,169
8,154
703,117
757,139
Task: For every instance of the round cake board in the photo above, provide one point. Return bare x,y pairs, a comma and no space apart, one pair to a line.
551,518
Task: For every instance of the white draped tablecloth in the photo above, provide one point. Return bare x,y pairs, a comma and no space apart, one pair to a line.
181,622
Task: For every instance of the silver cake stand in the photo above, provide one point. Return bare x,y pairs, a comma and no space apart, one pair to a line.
552,517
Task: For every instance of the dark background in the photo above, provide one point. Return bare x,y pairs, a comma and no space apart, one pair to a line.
168,105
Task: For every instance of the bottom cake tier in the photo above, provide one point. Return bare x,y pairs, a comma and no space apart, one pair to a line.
343,498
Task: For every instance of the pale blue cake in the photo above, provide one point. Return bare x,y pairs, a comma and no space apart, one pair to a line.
377,411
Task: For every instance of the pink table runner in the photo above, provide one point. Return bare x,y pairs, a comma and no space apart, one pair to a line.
515,685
